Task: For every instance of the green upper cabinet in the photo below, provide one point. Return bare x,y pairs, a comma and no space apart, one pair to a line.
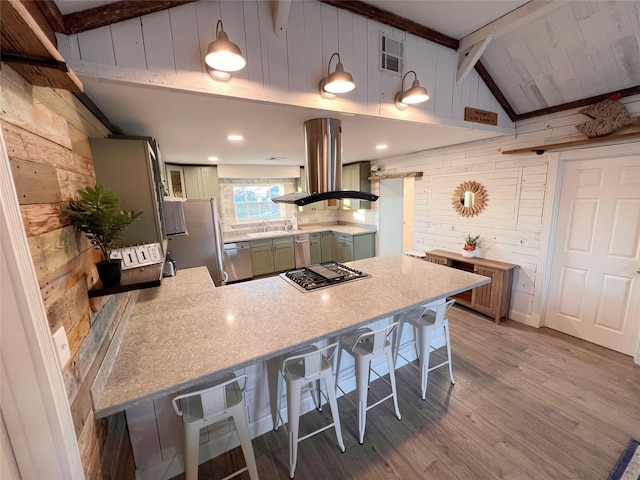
201,182
175,181
355,176
193,182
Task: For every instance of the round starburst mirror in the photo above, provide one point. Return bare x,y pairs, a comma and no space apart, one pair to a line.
469,198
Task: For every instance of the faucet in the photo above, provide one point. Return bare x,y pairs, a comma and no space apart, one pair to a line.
264,225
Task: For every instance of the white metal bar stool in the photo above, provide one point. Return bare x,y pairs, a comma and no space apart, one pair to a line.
364,345
425,323
299,370
200,408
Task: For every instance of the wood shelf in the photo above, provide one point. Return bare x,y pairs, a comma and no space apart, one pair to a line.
540,149
30,53
384,176
137,278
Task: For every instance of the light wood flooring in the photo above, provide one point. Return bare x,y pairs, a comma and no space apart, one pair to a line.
527,404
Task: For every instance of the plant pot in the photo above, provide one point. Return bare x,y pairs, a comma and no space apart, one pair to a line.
110,272
469,253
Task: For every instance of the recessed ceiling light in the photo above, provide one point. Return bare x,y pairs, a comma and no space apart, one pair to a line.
382,146
213,159
234,137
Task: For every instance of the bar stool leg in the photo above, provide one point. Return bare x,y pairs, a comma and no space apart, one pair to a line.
392,378
362,388
397,338
425,350
446,332
191,451
240,420
293,407
333,404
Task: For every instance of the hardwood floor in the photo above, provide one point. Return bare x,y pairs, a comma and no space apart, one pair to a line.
527,404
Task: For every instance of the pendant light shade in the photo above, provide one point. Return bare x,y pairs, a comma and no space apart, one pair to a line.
222,54
416,94
336,82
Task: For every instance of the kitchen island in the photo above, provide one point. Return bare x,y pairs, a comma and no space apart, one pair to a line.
187,332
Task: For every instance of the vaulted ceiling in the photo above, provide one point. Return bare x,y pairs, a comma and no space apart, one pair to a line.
536,57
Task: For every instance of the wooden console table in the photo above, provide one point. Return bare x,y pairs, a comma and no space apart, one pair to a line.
492,299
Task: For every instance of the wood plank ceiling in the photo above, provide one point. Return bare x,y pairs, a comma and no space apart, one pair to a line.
568,55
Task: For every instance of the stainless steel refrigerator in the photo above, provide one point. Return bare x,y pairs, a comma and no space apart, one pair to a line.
203,244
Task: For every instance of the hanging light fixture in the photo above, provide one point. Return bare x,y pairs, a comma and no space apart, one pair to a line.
336,82
416,94
223,57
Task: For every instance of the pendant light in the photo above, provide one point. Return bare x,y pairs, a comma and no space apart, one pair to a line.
416,94
336,82
223,56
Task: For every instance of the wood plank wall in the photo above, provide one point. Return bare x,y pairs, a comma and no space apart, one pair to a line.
511,227
46,133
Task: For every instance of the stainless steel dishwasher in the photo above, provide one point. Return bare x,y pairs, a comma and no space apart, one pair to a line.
237,261
302,250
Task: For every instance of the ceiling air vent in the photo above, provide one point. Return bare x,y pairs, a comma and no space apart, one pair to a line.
391,54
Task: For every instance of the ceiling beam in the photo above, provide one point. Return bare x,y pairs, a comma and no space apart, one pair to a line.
115,12
393,20
509,22
627,92
281,18
471,59
493,88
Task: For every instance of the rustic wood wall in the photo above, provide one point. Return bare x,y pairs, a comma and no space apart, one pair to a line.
46,133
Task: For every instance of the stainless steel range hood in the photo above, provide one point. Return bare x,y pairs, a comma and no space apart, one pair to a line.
323,165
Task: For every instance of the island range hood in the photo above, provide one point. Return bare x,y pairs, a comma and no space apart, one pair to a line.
323,165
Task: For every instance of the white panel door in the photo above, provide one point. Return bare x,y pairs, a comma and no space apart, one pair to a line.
595,288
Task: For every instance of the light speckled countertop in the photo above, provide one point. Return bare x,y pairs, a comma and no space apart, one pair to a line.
186,332
348,229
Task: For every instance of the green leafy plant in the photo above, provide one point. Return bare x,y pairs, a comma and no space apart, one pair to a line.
97,214
471,243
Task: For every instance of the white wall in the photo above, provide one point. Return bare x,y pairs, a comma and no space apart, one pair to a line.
515,227
166,49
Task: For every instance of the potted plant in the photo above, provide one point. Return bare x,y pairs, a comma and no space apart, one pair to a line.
471,245
97,214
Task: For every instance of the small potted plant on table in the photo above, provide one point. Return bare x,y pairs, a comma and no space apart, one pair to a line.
471,245
97,214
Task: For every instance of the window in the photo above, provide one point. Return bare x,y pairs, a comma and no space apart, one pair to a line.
253,202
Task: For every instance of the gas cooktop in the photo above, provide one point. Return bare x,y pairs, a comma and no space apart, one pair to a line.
322,275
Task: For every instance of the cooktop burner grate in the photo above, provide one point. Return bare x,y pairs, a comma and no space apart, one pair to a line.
322,275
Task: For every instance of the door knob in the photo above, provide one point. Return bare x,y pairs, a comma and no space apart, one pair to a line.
638,271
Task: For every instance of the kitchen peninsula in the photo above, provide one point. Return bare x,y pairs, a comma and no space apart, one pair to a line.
186,332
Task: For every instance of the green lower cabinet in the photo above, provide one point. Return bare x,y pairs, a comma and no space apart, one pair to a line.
326,244
343,251
272,255
283,254
262,257
348,248
364,246
315,247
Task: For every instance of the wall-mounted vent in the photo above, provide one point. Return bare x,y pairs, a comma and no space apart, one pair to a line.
391,55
